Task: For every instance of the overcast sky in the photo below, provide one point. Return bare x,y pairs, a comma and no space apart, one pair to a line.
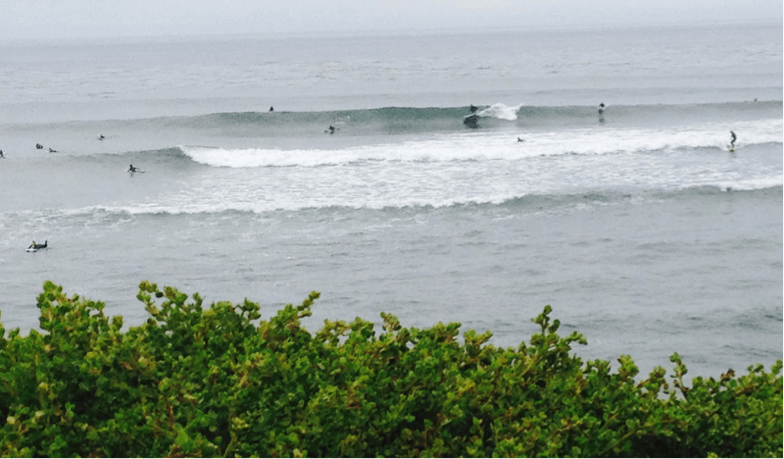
25,19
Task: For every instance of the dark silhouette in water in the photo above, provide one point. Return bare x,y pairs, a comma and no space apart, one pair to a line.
472,120
734,138
330,129
2,155
271,109
39,246
38,146
52,150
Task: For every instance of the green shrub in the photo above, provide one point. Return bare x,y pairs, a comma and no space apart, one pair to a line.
217,381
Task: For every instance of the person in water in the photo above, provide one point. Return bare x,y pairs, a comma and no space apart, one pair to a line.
734,138
473,108
133,169
2,155
38,146
330,129
101,137
520,140
52,150
601,108
271,109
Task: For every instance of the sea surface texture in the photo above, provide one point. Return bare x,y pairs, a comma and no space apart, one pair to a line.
641,226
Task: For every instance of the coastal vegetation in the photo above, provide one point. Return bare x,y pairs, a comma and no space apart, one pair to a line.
219,381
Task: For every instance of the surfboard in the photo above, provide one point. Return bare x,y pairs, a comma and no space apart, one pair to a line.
35,249
731,149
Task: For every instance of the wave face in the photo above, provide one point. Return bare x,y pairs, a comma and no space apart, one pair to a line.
288,127
402,120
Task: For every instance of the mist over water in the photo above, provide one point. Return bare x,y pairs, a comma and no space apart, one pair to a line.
639,226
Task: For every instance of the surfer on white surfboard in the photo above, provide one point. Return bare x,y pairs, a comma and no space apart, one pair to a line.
35,247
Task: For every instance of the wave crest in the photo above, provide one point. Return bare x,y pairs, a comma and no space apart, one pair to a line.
500,111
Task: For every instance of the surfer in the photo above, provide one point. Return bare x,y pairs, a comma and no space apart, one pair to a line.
330,129
2,155
52,150
472,120
734,138
520,140
601,108
271,109
101,137
133,169
38,146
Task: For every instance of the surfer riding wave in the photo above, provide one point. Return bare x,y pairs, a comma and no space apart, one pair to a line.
498,111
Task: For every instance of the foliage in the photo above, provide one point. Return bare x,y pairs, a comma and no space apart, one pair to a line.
217,381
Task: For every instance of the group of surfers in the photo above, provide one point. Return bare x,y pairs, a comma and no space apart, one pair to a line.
470,121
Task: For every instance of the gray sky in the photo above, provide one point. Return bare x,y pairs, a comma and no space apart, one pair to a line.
25,19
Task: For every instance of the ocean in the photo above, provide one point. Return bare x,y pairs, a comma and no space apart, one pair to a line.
639,225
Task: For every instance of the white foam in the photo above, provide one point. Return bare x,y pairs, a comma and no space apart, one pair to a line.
495,145
473,167
501,112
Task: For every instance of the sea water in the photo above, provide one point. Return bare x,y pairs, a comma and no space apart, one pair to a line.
638,225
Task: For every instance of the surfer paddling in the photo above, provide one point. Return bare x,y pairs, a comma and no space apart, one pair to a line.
132,169
35,246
